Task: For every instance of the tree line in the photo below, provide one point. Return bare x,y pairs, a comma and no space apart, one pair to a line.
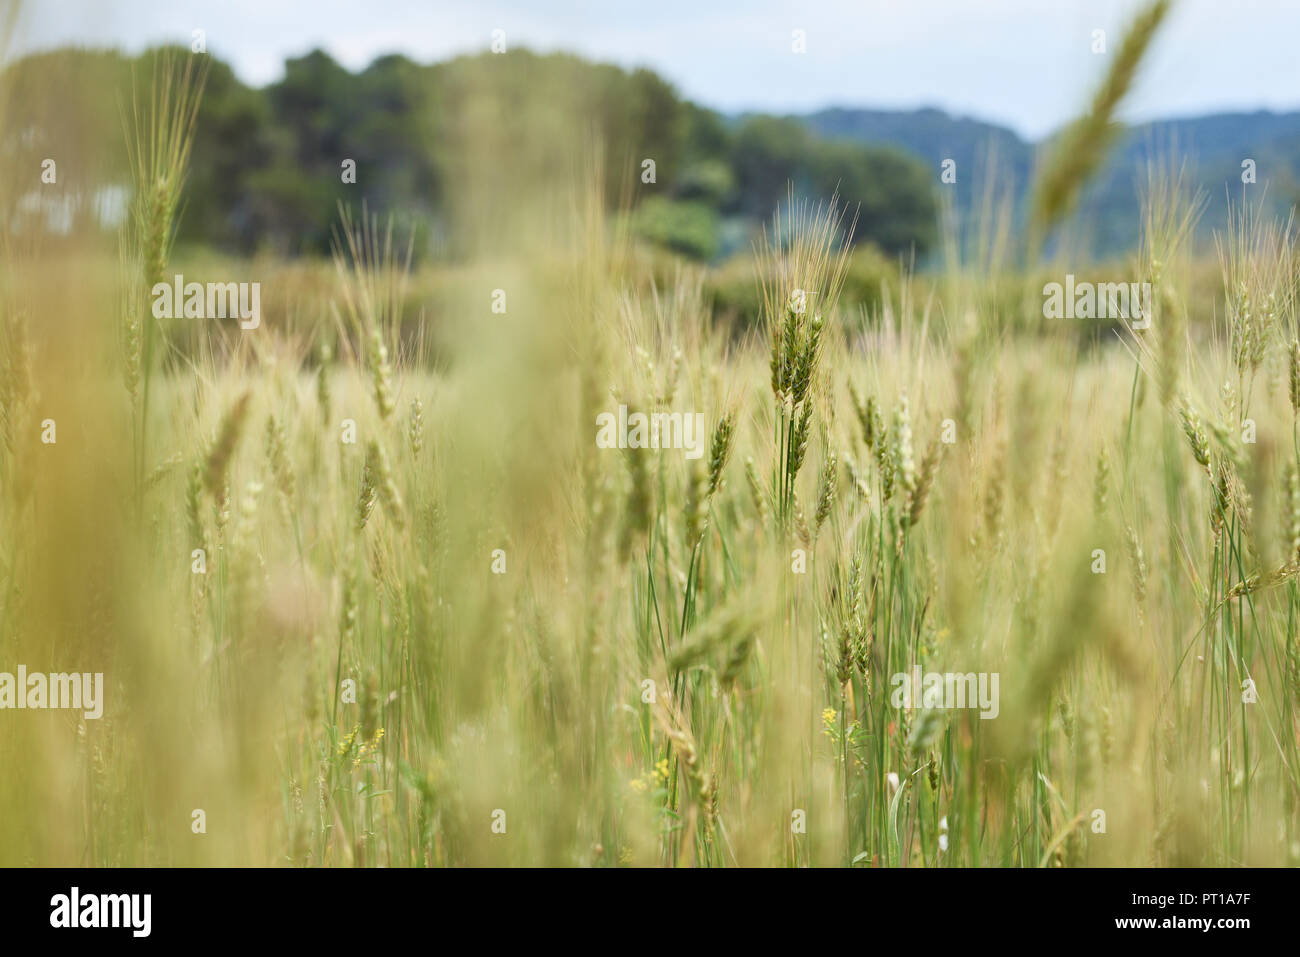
429,141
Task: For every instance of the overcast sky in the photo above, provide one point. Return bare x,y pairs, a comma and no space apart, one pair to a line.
1024,63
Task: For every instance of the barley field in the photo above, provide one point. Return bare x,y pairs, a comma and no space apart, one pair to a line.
366,589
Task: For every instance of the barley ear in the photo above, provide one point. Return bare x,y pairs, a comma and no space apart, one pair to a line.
223,448
1079,151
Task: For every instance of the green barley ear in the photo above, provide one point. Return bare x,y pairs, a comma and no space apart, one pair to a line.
372,282
726,634
416,429
1172,340
696,504
874,430
888,468
326,356
720,450
281,466
160,137
386,482
862,652
381,374
855,589
777,361
162,469
756,490
857,479
638,513
349,608
859,407
1195,432
1263,580
1295,377
1292,483
370,706
805,363
929,725
902,445
741,648
1138,559
221,502
800,522
868,417
194,505
1079,151
131,309
994,493
701,782
801,269
1101,484
799,443
866,637
1170,211
841,660
1222,496
924,482
368,493
223,449
853,631
1228,396
825,491
1293,669
16,390
673,376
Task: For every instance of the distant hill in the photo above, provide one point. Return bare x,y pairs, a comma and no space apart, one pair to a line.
465,150
1212,148
931,134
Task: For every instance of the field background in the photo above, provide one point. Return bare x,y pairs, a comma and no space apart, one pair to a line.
566,655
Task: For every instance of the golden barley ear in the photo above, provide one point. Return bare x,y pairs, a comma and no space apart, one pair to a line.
386,482
223,449
372,282
1080,150
160,136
